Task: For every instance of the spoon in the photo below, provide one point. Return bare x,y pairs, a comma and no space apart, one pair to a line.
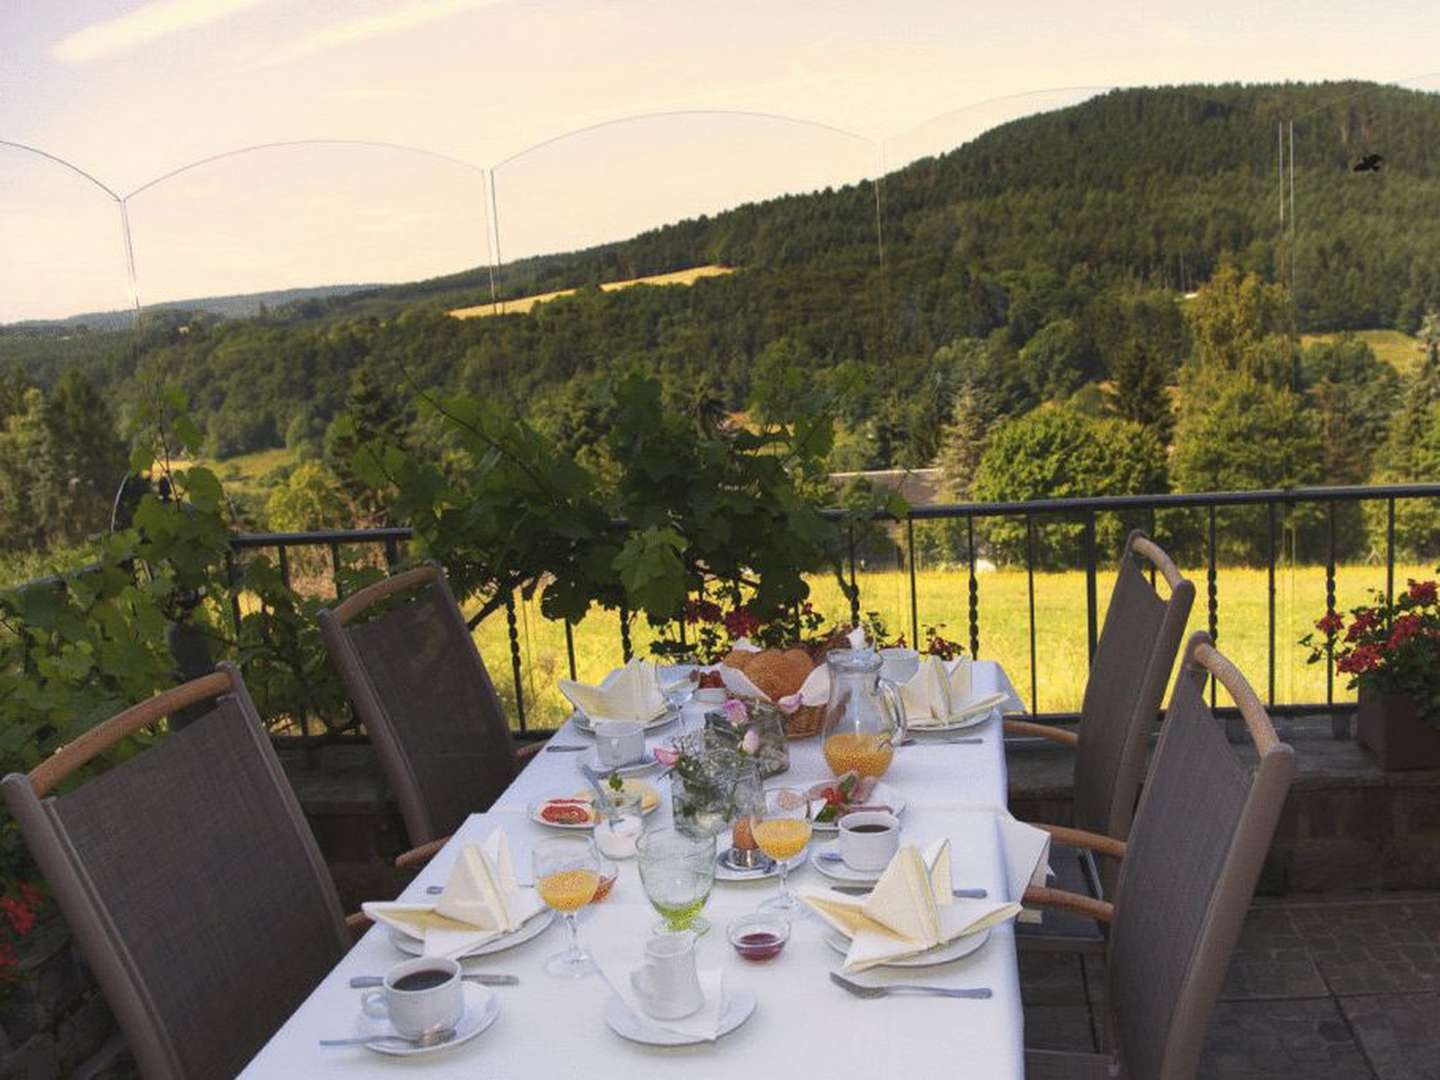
361,982
430,1038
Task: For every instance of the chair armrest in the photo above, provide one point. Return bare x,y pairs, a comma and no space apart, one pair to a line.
418,856
1043,731
527,750
357,923
1039,896
1101,845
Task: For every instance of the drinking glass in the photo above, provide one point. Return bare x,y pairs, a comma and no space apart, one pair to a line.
567,875
678,872
781,831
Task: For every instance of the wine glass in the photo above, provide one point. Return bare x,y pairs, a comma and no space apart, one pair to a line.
567,875
781,831
678,872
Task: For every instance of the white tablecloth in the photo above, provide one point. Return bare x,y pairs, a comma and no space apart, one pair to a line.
553,1029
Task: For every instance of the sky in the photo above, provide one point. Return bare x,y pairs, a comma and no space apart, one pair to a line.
754,99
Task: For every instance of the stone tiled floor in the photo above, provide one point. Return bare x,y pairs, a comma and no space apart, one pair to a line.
1323,989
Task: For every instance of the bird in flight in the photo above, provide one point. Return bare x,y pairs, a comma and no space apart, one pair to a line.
1369,163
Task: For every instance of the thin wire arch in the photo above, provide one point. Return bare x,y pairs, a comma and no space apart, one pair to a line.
58,160
883,142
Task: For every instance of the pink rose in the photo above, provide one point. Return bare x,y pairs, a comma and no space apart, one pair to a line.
667,756
790,703
751,742
736,712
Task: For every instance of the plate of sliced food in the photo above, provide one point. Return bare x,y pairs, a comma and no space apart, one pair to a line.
576,810
850,792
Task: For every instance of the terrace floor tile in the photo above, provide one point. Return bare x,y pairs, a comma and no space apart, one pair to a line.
1399,1032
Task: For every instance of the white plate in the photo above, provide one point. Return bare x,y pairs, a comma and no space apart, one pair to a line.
635,768
531,928
838,871
533,809
739,1004
883,795
941,954
724,873
482,1007
582,723
959,723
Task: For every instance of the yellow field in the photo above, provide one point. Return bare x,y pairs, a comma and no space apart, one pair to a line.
523,304
1004,634
1399,350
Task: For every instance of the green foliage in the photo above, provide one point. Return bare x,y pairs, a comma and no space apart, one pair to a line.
1056,451
1237,327
1139,389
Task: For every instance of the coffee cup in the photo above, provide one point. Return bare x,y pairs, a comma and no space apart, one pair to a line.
869,839
419,997
619,742
899,665
668,985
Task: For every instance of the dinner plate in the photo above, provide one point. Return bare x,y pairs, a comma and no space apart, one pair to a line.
739,1004
725,873
838,871
669,716
532,927
642,764
941,954
642,786
883,795
482,1008
956,723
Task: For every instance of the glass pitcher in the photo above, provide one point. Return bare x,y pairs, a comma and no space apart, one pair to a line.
864,718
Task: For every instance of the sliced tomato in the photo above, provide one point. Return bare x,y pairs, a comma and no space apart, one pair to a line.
568,812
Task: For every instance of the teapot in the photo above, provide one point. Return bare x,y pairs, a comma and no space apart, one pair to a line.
864,716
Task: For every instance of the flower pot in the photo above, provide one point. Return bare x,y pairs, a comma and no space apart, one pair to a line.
1391,726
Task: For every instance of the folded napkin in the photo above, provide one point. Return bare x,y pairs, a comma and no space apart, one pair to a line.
910,911
630,693
703,1023
481,901
941,693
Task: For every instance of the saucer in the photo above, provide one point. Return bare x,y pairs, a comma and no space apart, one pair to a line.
530,928
739,1004
940,954
481,1009
725,872
837,870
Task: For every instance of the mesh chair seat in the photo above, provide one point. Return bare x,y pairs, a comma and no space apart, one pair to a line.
1065,1065
193,887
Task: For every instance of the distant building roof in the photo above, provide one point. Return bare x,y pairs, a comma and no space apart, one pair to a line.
919,487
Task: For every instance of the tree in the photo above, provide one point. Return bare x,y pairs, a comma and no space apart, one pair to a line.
1353,395
1058,359
962,445
1237,325
372,417
84,460
1056,451
1139,389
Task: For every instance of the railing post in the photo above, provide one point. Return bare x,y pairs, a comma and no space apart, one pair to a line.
974,589
854,586
1270,595
1390,550
1092,600
515,661
230,580
335,570
1339,725
284,565
570,647
914,602
625,650
392,551
1030,580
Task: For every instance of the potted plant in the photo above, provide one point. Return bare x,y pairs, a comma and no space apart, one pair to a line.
1391,652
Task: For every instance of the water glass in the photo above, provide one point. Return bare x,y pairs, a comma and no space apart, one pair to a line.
678,872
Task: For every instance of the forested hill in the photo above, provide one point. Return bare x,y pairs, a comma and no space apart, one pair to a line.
1065,234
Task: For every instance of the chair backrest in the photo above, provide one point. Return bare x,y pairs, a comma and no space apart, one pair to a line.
1133,661
189,879
1201,831
424,695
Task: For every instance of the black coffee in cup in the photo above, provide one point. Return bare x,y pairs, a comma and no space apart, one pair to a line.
869,828
422,980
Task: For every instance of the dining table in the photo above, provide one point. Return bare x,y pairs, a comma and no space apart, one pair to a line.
803,1024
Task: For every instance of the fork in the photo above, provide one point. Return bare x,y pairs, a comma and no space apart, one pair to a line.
968,740
859,990
863,890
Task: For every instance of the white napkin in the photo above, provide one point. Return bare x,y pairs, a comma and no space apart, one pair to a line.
703,1023
1027,859
481,901
940,693
911,910
630,693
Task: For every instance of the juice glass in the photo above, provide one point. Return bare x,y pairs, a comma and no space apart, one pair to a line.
781,831
567,875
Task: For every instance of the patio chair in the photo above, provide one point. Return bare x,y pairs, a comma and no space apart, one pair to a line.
422,690
189,878
1133,660
1201,831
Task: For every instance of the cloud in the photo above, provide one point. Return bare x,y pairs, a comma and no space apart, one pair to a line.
149,21
391,21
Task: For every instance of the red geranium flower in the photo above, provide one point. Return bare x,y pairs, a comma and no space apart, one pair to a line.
19,915
1422,592
1331,623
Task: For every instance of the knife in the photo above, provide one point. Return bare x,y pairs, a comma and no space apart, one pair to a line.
362,982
